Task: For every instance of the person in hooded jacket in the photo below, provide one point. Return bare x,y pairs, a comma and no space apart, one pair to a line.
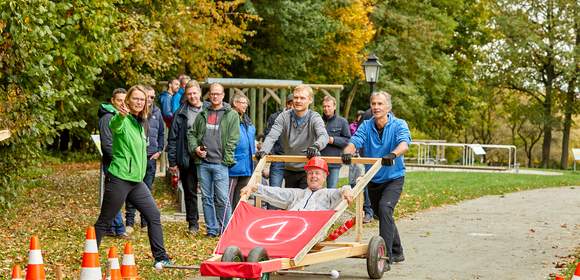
106,112
241,172
155,146
213,138
124,181
180,160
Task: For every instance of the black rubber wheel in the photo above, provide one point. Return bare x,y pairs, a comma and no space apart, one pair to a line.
232,254
259,254
376,261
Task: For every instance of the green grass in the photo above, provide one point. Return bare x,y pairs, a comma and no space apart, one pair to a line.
58,202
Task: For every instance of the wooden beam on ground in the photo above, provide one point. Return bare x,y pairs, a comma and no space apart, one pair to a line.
334,254
4,134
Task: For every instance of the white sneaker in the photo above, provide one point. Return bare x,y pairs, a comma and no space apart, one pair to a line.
129,229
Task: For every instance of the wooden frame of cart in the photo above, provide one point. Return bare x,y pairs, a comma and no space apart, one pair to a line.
231,263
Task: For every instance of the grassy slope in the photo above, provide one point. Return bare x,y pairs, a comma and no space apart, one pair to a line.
61,202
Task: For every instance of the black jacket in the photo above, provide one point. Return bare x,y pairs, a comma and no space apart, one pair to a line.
105,113
156,132
177,153
337,128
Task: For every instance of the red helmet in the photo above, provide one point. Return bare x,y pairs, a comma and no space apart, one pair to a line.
316,162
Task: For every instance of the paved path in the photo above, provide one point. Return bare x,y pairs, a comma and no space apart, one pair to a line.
516,236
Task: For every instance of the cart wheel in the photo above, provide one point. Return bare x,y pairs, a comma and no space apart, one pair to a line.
376,263
259,254
232,254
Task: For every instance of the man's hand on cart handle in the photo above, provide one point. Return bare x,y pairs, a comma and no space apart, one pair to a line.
347,195
248,190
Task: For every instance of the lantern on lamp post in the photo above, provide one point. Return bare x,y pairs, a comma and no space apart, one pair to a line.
372,67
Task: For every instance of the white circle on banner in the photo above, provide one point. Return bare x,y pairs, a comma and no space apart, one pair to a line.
275,225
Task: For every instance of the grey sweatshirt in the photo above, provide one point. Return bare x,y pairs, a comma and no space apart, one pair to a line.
301,199
295,139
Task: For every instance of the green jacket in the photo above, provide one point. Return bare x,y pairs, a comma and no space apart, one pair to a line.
229,132
129,148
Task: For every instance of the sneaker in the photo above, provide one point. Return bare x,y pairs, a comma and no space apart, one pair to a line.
123,235
398,258
193,229
367,219
160,264
129,229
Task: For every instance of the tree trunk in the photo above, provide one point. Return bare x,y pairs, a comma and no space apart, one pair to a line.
349,100
570,98
547,115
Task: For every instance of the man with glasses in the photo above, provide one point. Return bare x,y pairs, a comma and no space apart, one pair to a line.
314,197
213,139
155,134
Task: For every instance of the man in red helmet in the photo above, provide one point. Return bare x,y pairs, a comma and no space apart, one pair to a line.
314,197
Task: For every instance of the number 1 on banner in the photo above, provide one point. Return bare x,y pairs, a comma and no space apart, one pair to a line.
281,226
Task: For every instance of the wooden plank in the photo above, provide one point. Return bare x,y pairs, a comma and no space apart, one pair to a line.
260,120
337,244
359,217
361,184
333,254
287,158
4,134
253,107
272,93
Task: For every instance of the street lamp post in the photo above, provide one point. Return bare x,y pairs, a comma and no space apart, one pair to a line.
372,67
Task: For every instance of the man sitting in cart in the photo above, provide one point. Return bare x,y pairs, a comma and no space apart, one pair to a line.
314,197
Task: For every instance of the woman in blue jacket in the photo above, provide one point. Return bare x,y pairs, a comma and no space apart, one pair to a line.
241,172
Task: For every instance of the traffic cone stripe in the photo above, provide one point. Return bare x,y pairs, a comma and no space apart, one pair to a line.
576,273
91,273
114,263
91,246
35,257
129,259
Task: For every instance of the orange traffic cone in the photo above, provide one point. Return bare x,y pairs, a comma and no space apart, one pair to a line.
128,268
90,268
114,271
16,273
576,273
559,277
35,268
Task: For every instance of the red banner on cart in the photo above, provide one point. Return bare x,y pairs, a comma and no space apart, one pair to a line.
282,233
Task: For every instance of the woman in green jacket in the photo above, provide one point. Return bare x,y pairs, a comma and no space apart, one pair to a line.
124,178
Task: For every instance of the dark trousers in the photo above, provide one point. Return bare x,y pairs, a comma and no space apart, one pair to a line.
295,179
237,184
188,177
117,191
148,180
384,198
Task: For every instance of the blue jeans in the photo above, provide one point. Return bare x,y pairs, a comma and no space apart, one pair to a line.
333,174
214,181
118,227
148,180
276,174
353,173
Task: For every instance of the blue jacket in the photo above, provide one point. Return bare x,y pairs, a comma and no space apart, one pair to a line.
155,132
165,101
367,137
176,100
245,149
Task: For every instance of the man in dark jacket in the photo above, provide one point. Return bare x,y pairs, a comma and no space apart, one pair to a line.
106,112
155,134
338,136
178,156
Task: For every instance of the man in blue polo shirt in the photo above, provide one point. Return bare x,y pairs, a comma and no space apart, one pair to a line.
388,137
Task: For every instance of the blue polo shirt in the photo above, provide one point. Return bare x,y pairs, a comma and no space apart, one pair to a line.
367,137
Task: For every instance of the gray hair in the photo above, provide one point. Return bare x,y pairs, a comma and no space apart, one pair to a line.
238,97
328,98
386,95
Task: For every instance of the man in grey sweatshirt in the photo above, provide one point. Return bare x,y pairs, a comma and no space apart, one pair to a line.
299,130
